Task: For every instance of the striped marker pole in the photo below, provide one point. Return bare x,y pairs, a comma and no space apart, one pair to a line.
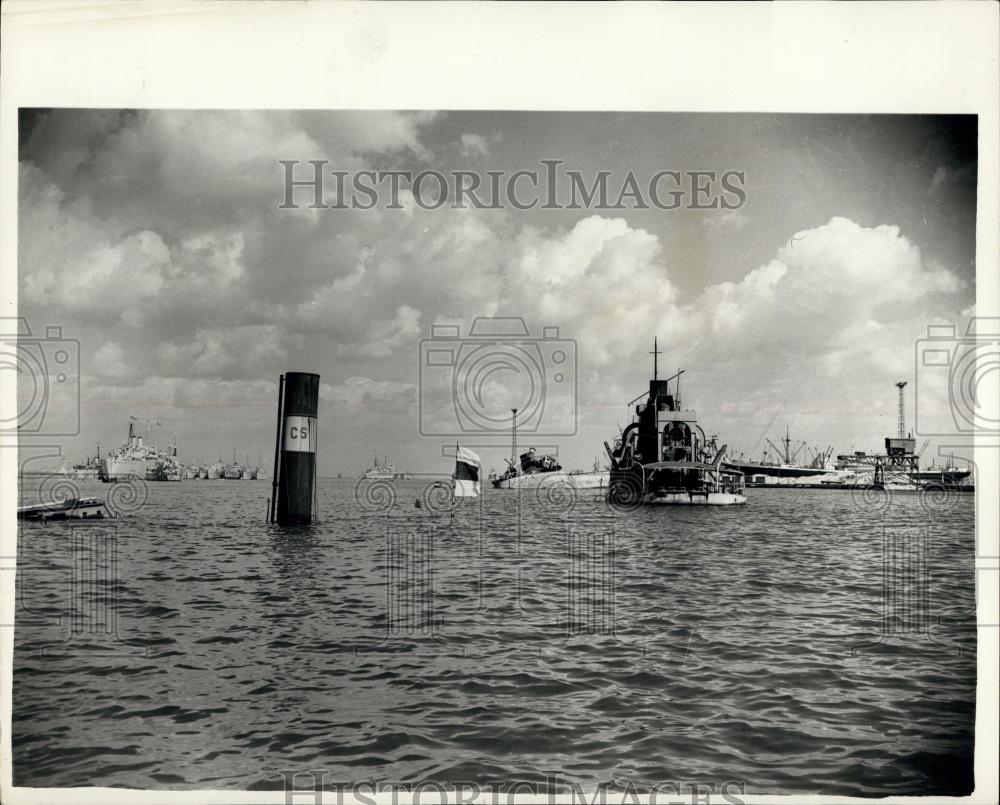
296,484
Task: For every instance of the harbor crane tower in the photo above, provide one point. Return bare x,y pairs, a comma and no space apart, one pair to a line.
902,410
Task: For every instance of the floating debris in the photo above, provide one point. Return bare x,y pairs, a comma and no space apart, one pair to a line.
70,509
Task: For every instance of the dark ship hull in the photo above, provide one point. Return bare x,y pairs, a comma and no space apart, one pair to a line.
775,470
946,477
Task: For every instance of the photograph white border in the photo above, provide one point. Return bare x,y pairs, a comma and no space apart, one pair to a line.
850,57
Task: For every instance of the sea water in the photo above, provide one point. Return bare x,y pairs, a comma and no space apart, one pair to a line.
812,641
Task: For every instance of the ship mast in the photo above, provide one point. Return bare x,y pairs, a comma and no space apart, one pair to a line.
654,353
513,439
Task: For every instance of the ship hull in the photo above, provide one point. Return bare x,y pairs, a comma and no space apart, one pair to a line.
676,484
123,469
589,480
946,477
695,499
529,480
580,480
777,470
74,509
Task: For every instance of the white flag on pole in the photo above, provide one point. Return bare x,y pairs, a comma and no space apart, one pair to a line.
466,473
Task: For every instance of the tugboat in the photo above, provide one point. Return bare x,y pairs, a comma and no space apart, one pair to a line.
664,458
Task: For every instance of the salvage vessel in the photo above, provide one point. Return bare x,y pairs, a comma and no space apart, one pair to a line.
664,458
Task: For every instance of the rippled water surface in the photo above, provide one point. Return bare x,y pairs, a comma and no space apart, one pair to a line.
810,642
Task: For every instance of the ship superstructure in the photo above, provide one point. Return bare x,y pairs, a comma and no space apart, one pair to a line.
127,462
664,457
385,471
137,459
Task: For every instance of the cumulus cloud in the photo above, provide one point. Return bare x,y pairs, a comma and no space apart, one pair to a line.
158,236
824,286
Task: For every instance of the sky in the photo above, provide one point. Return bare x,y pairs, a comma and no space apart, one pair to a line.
157,242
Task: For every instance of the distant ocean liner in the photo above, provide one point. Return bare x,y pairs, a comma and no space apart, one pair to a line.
137,460
380,472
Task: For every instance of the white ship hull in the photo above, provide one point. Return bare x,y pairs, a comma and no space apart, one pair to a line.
123,469
588,480
829,477
703,499
532,480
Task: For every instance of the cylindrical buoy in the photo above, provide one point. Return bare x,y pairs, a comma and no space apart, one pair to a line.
297,467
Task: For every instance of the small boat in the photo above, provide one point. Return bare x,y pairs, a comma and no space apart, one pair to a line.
380,472
664,458
70,509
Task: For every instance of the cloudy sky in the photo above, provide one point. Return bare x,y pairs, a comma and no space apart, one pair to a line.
156,238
